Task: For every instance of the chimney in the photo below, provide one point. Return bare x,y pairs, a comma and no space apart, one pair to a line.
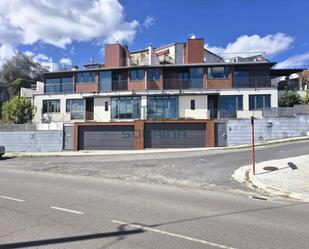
115,55
194,51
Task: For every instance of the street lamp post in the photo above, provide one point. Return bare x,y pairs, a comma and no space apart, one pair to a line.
253,145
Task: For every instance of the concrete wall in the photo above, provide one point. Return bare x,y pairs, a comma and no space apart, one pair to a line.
200,111
32,141
239,131
100,114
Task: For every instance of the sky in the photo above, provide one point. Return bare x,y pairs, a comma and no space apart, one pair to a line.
71,32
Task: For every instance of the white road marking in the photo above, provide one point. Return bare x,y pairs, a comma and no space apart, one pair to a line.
11,198
67,210
174,235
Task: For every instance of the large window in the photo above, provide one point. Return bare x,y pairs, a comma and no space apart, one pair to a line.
162,107
137,74
59,85
229,105
153,74
126,107
76,107
196,77
218,72
259,101
85,77
105,81
51,105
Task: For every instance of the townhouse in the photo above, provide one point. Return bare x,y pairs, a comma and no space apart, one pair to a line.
169,96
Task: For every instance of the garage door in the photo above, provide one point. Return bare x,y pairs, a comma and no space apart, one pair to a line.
172,135
118,137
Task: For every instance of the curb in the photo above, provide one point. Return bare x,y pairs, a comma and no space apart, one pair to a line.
150,151
244,175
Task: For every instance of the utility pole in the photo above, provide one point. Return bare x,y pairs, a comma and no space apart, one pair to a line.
253,145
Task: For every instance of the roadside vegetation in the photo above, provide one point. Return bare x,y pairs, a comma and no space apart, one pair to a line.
20,71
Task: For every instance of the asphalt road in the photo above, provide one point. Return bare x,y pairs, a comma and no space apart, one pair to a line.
40,209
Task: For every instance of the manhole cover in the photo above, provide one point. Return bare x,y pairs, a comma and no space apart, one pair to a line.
270,168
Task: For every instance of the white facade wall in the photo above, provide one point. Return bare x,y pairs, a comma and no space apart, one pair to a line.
99,113
62,116
184,104
247,92
200,111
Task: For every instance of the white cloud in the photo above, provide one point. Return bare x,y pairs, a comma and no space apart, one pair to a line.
60,22
272,44
149,21
6,53
43,59
297,61
66,61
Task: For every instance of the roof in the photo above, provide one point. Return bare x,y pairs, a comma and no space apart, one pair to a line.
284,72
220,64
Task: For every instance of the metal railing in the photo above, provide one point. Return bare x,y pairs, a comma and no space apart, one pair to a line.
286,111
244,57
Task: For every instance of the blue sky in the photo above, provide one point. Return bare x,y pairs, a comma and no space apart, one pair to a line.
52,32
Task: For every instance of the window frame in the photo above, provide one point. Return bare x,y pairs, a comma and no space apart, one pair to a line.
225,75
137,75
192,104
58,106
155,72
266,99
162,107
81,78
126,107
73,116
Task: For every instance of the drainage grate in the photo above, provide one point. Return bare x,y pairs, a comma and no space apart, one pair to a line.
270,168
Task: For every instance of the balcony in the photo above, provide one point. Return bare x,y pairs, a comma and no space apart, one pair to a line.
252,82
58,88
169,84
119,85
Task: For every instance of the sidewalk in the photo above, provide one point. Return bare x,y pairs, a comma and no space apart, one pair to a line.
287,177
146,151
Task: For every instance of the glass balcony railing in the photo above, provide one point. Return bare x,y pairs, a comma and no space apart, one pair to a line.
251,82
119,85
58,88
183,84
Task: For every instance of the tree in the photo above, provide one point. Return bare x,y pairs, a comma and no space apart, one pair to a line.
21,68
18,110
306,98
289,99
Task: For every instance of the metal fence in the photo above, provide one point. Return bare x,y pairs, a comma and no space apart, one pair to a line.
286,111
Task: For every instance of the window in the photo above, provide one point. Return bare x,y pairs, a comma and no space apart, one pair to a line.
229,105
192,104
106,106
259,101
162,107
183,76
137,74
218,72
105,81
51,105
196,77
85,77
126,107
59,85
76,107
153,74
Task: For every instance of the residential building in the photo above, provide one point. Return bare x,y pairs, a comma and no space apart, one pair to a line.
155,97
